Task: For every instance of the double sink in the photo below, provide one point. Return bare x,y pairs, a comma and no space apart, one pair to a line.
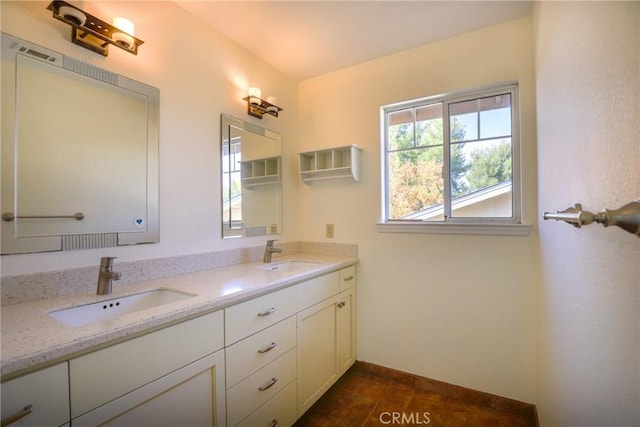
112,309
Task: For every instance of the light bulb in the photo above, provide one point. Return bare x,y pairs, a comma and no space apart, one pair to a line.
273,101
255,94
122,39
124,24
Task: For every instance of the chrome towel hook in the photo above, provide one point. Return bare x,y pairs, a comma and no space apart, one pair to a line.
627,217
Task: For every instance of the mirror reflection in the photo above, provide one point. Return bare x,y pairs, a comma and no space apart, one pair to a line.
79,154
251,179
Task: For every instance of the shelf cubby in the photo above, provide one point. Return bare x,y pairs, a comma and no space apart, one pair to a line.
330,163
260,171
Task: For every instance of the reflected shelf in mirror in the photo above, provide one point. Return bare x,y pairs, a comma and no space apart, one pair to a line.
251,168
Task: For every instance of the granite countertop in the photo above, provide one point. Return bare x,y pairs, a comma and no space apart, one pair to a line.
30,338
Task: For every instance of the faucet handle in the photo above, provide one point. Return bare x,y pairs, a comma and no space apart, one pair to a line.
270,242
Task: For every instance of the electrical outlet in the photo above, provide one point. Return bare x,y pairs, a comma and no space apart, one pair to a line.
329,231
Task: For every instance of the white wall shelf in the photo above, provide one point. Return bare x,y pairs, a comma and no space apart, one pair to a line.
330,163
260,171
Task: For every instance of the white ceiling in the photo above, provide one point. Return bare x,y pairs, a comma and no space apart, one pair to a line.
304,39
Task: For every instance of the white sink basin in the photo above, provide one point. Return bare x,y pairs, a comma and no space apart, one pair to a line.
286,266
112,309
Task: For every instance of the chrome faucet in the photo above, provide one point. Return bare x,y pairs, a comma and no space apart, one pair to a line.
106,276
269,250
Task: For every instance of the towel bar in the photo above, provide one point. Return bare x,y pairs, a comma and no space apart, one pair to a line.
627,217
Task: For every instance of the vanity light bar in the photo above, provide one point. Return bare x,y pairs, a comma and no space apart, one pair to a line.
93,33
257,107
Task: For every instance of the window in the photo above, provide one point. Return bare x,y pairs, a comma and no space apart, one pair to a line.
231,185
453,160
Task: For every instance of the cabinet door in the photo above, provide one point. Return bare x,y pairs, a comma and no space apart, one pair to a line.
37,399
104,375
346,329
317,352
191,396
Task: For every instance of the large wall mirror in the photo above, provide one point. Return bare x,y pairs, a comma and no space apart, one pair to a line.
251,179
79,154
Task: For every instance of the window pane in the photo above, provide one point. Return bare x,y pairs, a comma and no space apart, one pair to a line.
416,185
481,175
463,121
495,116
400,132
429,125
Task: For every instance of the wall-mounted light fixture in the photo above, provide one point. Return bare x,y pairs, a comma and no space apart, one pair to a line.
93,33
257,107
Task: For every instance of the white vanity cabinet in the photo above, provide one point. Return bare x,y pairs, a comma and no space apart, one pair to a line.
174,376
285,349
262,362
40,398
326,337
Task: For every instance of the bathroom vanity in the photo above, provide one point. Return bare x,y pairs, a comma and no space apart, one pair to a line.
256,344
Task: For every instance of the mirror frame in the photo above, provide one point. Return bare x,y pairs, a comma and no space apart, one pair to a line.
225,122
13,46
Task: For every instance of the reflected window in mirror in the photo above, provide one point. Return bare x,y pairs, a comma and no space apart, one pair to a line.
231,184
251,179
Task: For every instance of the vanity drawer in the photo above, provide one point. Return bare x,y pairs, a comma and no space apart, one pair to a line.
106,374
319,289
45,393
254,391
254,315
252,353
348,278
281,410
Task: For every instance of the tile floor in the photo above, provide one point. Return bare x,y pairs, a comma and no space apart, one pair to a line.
368,397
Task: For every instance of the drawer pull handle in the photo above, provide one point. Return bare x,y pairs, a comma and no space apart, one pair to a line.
268,348
268,385
267,312
18,415
348,278
341,304
274,423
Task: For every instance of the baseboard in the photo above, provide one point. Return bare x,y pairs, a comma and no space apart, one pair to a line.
464,394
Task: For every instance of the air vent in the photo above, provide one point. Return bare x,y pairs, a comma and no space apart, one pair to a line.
89,70
89,241
14,44
36,53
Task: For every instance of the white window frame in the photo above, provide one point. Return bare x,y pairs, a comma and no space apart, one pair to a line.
456,225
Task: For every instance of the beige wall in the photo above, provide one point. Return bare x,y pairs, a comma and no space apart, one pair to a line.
200,75
587,57
454,308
